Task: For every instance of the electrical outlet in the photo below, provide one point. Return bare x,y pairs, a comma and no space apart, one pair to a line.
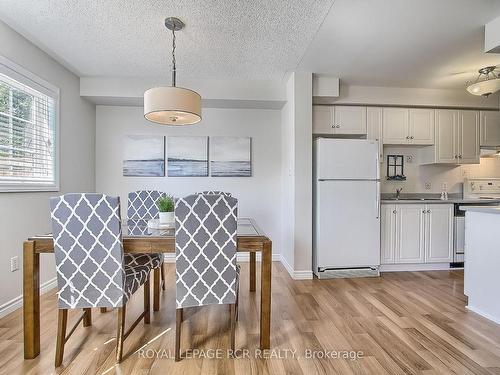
14,264
465,173
409,158
444,186
428,186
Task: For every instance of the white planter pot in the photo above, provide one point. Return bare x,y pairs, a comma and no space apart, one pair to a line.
166,217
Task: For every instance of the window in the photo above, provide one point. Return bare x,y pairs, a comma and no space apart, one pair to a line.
28,131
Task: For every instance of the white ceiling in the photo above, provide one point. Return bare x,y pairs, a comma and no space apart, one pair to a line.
258,39
403,43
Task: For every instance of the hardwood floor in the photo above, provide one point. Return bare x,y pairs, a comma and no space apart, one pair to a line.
413,323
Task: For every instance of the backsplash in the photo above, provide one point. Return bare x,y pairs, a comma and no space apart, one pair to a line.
418,175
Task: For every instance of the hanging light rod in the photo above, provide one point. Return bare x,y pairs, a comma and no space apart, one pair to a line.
172,105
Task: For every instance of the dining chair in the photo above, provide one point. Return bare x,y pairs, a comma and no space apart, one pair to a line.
142,206
205,256
216,192
91,271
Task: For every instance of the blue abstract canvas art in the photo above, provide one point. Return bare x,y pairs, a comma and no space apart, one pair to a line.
230,157
144,156
187,156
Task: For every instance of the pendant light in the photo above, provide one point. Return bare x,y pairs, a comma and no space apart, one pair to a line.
172,105
486,83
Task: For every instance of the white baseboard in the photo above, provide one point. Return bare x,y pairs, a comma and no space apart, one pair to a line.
483,314
296,275
17,302
415,267
241,257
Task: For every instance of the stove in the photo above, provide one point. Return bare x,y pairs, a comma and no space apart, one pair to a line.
482,188
477,189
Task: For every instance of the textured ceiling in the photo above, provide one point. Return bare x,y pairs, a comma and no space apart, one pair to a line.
258,39
403,43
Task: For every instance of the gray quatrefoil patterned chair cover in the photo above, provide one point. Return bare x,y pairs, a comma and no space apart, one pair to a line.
89,253
142,204
216,192
142,207
205,250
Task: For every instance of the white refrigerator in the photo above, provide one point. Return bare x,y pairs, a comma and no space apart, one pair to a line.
347,208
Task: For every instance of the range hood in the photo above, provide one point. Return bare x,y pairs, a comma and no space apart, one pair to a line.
490,152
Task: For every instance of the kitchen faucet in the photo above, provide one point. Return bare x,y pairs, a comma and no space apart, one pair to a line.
398,192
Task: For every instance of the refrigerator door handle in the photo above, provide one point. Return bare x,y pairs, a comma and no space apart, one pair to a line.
377,200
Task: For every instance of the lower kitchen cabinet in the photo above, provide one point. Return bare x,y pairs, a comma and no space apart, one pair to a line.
410,233
417,233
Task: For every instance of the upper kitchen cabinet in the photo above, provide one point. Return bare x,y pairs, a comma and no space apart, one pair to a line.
446,135
322,119
339,120
395,125
457,138
468,137
490,128
374,128
421,126
414,126
349,120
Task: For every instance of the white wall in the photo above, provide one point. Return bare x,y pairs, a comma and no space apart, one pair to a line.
259,196
410,96
287,175
296,124
418,174
25,214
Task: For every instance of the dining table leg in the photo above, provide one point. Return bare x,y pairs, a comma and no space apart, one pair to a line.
252,270
31,300
265,295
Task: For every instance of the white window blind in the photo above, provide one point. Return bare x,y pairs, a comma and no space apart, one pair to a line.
28,125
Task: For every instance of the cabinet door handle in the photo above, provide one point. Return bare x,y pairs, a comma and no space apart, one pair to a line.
456,156
428,211
412,137
333,126
338,126
407,137
394,212
460,156
423,211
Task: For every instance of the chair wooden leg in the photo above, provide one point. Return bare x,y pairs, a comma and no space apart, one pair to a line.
233,326
103,310
62,321
162,277
156,289
237,299
87,320
178,321
120,333
147,307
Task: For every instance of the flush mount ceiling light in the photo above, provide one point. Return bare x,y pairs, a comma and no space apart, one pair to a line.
172,105
486,83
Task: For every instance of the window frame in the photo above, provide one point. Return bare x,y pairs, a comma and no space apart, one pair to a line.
25,77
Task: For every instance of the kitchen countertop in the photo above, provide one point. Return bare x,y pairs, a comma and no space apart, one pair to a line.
426,198
485,209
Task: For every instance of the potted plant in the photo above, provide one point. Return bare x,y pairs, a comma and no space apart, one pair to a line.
166,206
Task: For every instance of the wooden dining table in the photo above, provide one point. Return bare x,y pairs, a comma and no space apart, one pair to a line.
139,238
